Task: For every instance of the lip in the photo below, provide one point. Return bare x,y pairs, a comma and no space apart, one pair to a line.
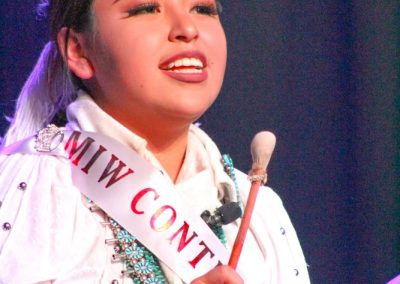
186,77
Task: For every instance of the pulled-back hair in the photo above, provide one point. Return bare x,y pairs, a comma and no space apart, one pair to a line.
50,86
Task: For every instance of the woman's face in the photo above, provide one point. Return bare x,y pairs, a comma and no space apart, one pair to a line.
156,60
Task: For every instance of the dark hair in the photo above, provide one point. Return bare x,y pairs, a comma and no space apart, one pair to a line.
50,87
75,14
72,14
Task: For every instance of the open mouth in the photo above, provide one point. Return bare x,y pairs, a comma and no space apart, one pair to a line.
186,65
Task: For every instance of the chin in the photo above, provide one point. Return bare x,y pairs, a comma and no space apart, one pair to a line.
192,111
185,116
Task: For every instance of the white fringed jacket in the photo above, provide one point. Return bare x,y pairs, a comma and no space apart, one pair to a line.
48,234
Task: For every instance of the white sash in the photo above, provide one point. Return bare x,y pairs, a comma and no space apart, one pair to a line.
137,196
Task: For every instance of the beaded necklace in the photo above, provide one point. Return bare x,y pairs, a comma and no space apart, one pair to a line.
229,168
140,264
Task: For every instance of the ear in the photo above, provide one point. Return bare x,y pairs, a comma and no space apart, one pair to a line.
72,48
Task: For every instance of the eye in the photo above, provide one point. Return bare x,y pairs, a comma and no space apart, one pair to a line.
210,8
145,8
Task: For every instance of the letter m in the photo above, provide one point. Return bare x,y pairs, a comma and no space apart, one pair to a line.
81,149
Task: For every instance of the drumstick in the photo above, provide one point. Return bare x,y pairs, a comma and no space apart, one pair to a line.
262,146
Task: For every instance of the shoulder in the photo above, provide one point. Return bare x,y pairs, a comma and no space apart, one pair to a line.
269,212
42,209
266,193
34,168
29,186
269,207
273,228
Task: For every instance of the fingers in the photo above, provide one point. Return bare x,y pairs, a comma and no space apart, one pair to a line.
219,275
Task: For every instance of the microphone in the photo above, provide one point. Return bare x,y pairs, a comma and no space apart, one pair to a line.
223,215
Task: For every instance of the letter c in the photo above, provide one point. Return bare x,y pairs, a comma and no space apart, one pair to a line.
139,196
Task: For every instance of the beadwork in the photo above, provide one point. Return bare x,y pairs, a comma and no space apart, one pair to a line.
230,170
140,264
220,233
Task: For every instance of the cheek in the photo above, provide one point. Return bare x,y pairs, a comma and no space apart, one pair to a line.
218,49
136,53
124,62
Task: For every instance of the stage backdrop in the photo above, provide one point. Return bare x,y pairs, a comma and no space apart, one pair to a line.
324,77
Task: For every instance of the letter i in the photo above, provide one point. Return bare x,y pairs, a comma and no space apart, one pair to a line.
100,151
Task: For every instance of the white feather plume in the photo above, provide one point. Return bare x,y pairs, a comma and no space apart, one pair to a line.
262,146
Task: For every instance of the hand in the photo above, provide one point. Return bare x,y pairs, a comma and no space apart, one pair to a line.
219,275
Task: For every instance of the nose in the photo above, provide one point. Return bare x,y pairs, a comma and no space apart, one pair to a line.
183,28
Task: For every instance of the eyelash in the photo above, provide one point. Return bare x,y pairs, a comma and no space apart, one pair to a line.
205,8
209,8
145,8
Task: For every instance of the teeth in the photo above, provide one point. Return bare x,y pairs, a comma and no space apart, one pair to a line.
189,70
187,62
177,63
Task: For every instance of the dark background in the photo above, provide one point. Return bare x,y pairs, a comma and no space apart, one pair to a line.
324,77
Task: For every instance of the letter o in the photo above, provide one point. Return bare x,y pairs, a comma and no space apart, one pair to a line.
168,223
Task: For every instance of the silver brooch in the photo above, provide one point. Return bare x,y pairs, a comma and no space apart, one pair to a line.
48,138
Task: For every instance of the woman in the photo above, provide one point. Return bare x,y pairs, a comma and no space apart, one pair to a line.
141,72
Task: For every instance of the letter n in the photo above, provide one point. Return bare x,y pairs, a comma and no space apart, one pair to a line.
183,242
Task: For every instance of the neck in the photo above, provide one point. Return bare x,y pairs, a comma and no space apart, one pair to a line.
169,151
166,136
168,144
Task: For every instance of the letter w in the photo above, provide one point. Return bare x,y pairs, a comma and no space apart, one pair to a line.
83,147
115,172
